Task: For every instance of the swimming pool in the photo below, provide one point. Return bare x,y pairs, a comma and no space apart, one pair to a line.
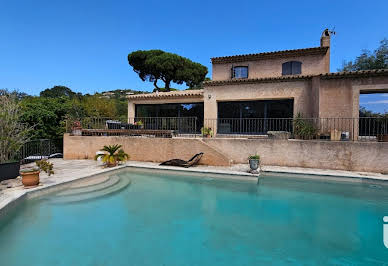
171,218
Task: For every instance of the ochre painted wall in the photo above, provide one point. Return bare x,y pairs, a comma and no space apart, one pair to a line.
340,155
297,90
311,64
143,149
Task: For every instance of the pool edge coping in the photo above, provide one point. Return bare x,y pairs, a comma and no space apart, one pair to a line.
13,200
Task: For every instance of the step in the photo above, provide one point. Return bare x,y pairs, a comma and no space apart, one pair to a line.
111,181
74,198
90,181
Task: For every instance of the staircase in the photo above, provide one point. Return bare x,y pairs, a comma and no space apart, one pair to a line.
88,190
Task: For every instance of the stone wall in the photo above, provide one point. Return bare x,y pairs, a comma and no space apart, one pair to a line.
353,156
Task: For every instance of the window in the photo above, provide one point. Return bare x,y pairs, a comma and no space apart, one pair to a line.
292,68
254,117
240,72
154,111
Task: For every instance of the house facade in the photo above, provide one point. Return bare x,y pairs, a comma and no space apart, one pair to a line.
271,85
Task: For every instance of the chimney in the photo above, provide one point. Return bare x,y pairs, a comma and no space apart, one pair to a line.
325,38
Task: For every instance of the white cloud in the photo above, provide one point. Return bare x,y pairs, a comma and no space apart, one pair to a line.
377,102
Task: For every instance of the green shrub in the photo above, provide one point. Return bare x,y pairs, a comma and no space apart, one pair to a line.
304,129
207,131
46,166
254,157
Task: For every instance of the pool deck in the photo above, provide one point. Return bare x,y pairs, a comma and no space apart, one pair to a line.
67,171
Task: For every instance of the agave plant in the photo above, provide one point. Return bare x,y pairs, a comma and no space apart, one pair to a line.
112,155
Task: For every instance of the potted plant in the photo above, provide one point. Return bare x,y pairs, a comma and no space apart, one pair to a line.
30,177
207,132
254,163
139,124
13,136
112,155
76,128
304,129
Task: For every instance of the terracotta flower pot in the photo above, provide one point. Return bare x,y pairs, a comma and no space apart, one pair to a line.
111,164
30,179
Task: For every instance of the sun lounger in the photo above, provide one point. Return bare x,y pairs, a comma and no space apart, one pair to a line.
182,163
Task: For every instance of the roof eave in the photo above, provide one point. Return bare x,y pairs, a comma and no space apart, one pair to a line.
269,55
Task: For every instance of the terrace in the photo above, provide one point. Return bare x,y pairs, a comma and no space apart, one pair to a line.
373,129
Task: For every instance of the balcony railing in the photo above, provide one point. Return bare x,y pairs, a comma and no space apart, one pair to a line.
41,149
345,129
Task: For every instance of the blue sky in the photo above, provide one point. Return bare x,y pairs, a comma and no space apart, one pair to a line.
84,44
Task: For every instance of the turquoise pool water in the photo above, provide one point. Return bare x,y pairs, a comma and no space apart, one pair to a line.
166,218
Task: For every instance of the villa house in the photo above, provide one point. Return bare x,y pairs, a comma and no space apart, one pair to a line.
268,85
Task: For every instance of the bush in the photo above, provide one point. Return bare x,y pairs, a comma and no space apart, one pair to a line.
304,129
13,133
254,157
46,166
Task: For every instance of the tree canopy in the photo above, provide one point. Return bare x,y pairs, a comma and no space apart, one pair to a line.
48,112
57,91
155,65
378,59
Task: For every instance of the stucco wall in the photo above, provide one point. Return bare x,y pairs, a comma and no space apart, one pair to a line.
355,156
143,149
298,90
311,64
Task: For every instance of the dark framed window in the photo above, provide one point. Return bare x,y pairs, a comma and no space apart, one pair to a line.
151,113
255,117
240,72
292,68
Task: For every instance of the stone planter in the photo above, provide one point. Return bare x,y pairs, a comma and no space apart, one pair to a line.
77,131
30,179
279,134
254,164
335,135
9,170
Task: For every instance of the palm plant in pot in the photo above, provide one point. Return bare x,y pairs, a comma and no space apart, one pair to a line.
254,163
13,135
112,155
207,132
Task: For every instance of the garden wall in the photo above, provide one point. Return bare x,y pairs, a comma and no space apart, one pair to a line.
340,155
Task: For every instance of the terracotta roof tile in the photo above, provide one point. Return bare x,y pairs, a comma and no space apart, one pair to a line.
352,74
266,55
360,73
170,94
257,80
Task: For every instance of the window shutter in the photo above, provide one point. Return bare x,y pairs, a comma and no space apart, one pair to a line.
296,68
286,68
232,72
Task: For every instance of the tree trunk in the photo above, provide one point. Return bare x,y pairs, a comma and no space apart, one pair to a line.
167,87
156,85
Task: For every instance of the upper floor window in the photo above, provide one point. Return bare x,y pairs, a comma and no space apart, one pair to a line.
292,68
240,72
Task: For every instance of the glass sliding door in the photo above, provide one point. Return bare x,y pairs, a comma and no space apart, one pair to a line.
182,117
254,117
